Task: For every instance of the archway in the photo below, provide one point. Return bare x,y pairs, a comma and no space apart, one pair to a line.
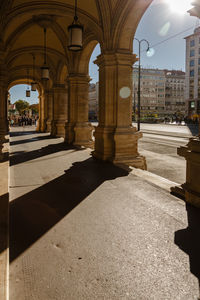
28,113
94,86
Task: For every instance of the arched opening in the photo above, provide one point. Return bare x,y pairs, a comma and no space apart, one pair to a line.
94,87
23,106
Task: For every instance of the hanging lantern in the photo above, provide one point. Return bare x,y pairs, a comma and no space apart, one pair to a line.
28,92
33,83
33,86
45,72
45,68
75,33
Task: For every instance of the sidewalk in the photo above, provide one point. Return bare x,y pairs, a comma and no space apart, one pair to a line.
83,230
4,253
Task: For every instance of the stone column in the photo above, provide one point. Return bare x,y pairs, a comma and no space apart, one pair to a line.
3,106
116,140
78,129
60,108
40,110
44,98
49,122
191,188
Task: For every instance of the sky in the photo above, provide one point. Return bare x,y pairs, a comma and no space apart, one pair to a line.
161,21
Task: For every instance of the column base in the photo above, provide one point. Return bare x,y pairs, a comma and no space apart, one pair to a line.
69,133
83,135
191,196
79,134
191,152
51,127
4,148
119,146
43,126
60,128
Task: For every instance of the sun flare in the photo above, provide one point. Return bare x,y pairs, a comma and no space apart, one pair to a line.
179,6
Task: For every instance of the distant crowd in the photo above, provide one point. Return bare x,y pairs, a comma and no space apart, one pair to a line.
23,121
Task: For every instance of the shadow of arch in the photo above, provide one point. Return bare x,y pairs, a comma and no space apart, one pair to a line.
53,201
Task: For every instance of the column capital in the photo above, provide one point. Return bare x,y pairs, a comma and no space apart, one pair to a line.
78,78
111,58
60,88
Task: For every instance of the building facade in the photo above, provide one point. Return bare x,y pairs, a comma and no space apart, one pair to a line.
175,93
93,101
192,93
161,92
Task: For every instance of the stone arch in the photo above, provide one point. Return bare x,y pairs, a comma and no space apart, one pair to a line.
126,23
23,80
55,27
62,73
62,10
85,57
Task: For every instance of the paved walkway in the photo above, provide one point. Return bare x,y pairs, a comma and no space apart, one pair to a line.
84,230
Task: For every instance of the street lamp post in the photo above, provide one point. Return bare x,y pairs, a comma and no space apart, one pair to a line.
139,42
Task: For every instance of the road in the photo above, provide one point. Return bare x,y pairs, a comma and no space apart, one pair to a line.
161,155
159,145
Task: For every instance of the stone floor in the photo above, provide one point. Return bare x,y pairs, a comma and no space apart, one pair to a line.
80,229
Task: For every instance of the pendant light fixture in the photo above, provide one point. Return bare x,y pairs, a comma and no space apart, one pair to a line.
28,92
45,68
33,83
75,33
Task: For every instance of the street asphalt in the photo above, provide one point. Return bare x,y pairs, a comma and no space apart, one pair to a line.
85,230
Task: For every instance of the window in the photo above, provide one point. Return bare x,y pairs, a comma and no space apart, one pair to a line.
191,104
192,43
191,53
191,73
192,63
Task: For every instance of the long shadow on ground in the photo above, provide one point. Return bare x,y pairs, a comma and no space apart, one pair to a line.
33,139
21,157
188,239
4,222
19,133
33,214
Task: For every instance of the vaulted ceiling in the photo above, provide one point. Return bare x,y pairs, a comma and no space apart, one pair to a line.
112,23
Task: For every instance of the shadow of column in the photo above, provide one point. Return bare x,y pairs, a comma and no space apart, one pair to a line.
36,212
4,222
188,240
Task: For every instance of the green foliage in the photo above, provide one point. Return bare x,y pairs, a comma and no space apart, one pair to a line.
21,105
35,108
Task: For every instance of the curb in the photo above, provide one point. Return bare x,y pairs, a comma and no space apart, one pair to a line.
172,134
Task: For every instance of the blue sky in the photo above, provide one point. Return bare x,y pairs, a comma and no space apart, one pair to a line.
157,24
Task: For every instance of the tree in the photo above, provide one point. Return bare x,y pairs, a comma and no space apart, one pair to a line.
21,105
35,108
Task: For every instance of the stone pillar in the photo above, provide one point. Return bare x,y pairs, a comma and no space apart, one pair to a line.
116,140
3,107
191,152
60,108
49,123
44,110
78,129
40,119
